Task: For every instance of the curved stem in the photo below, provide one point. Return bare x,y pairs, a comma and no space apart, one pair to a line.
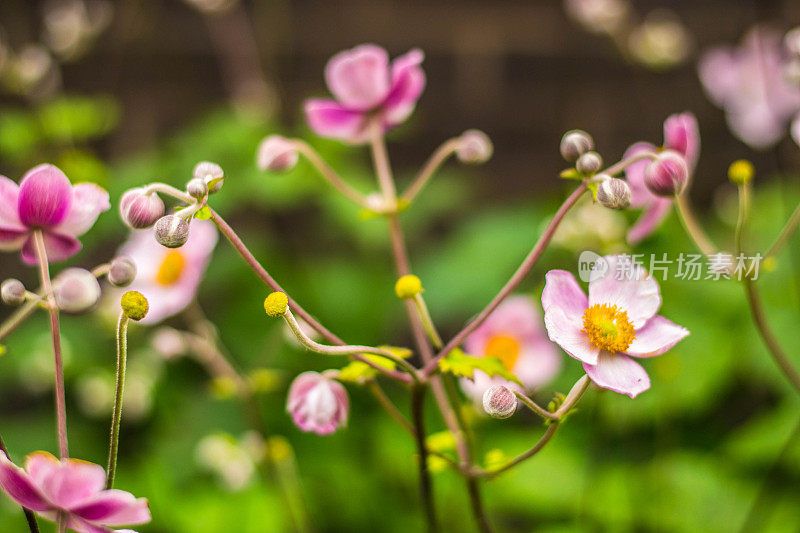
169,190
536,448
389,407
625,163
436,160
116,417
693,227
268,280
17,318
425,490
516,279
383,168
327,172
785,234
533,406
29,516
55,333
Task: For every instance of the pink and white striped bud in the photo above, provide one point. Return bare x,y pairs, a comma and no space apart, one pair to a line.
211,174
474,147
196,188
499,402
667,174
276,154
140,210
76,290
613,193
574,144
12,292
172,231
121,271
589,163
317,404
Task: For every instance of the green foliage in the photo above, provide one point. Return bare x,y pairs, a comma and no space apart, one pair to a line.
463,365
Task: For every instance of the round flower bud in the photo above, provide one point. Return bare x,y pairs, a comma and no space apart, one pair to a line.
474,147
408,287
121,271
76,290
209,172
741,171
499,402
667,174
276,304
317,404
172,231
197,188
134,305
614,193
589,163
140,210
12,292
574,144
276,154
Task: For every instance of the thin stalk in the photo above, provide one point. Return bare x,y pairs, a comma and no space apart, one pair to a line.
55,333
389,407
693,227
476,504
523,270
17,318
425,490
533,406
383,168
30,518
625,163
431,166
427,322
787,231
268,280
116,416
169,190
327,172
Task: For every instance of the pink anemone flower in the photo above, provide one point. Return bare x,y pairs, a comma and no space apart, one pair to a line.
750,84
46,200
169,277
74,488
318,404
367,88
616,322
682,135
513,333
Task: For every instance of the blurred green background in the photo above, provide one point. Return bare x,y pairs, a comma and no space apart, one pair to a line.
713,446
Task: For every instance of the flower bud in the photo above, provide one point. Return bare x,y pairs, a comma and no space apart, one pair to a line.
408,287
134,305
76,290
574,144
209,172
276,154
276,304
121,271
667,174
196,188
172,231
317,404
474,147
589,163
140,210
12,292
741,172
499,402
614,193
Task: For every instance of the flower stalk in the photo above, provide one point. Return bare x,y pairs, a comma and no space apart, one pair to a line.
116,416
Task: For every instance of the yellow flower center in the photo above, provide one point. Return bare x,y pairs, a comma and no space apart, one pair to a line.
608,327
171,268
505,348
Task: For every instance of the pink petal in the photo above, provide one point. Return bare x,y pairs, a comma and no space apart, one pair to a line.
619,373
40,465
88,201
58,248
640,194
408,82
330,119
9,199
756,124
359,78
538,364
656,337
45,196
718,70
11,240
682,134
112,508
82,526
20,487
650,219
628,286
566,331
562,290
517,317
73,482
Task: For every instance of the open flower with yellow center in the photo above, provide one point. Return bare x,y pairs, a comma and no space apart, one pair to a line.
169,277
513,333
616,321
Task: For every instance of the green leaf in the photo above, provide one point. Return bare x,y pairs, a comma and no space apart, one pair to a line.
460,364
360,372
495,458
571,174
213,183
442,441
3,349
593,187
203,214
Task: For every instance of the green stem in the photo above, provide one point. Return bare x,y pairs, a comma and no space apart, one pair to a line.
785,234
122,354
425,489
18,317
693,227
